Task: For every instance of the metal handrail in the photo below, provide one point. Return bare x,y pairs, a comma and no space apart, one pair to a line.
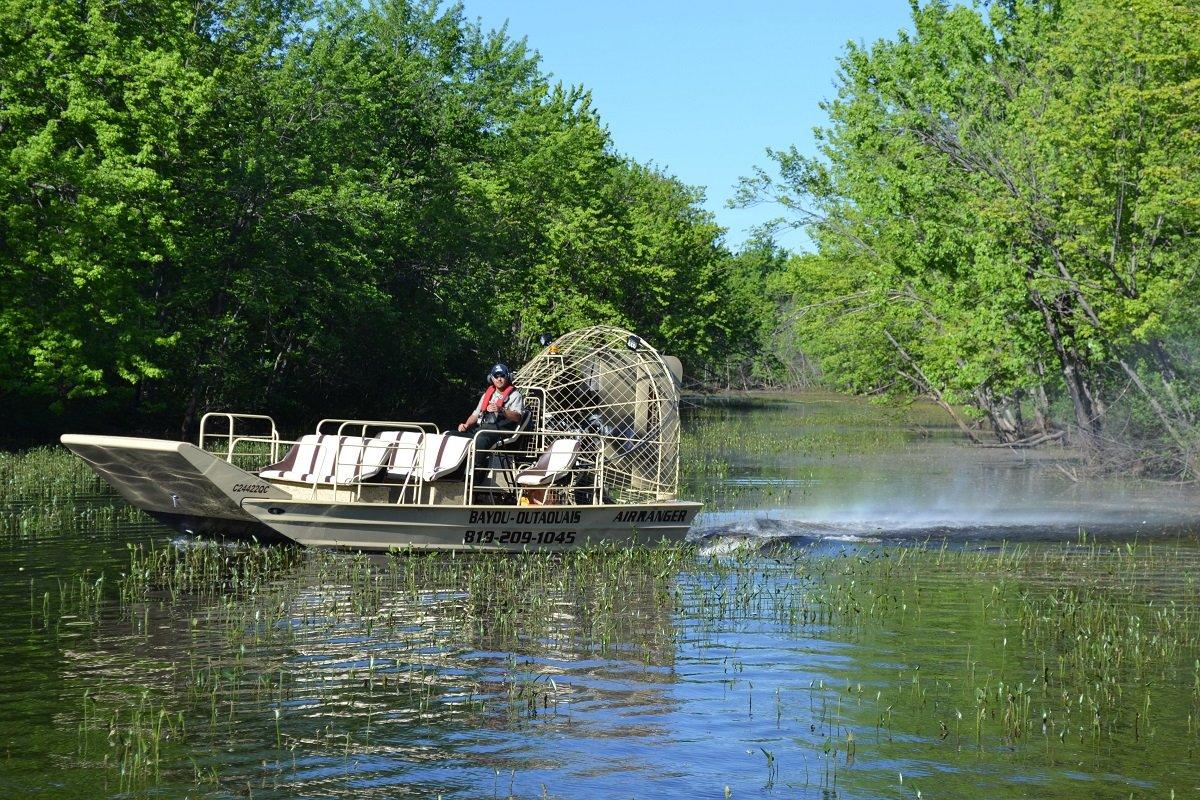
363,424
233,447
355,484
591,460
231,418
424,427
596,467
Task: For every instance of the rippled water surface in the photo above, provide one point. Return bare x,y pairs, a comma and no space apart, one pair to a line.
871,610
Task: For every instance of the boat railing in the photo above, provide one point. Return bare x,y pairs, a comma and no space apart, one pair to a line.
345,464
254,445
529,468
536,469
363,425
398,450
363,450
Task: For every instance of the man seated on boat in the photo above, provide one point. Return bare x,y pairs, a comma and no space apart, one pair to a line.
499,410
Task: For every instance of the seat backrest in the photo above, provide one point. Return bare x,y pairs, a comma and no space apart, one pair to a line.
327,457
523,426
299,460
377,452
305,450
349,465
405,452
556,461
562,454
442,455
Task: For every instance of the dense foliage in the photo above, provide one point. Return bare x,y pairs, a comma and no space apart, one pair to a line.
342,208
1005,210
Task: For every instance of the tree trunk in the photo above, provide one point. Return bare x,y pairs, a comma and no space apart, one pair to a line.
1041,402
189,411
1005,415
1086,418
1161,413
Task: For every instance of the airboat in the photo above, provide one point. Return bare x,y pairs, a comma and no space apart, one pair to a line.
595,459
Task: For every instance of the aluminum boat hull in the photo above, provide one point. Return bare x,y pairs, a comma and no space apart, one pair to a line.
383,526
195,491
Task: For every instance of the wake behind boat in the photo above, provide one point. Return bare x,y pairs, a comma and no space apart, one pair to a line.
595,459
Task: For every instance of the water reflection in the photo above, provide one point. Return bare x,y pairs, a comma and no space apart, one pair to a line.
828,663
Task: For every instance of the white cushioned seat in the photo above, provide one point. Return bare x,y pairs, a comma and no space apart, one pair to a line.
377,454
348,466
331,459
555,463
405,458
442,455
322,471
352,459
300,460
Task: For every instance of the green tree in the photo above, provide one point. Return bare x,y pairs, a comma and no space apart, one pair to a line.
339,208
96,101
1018,186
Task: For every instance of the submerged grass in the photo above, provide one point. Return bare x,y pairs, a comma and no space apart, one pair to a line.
40,521
1044,651
47,492
1087,642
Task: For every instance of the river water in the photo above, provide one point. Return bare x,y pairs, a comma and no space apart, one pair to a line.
853,627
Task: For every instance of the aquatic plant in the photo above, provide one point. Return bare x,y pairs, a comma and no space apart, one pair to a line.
44,474
1070,646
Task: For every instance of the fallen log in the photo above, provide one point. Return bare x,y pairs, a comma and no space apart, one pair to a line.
1032,441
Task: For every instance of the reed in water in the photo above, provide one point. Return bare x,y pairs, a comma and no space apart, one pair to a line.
1044,651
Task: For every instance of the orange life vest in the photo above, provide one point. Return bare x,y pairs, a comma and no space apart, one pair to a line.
491,390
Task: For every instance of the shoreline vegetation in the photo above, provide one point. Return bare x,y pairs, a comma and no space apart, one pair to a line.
346,209
353,209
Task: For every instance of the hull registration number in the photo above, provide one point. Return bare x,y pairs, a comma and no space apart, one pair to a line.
518,537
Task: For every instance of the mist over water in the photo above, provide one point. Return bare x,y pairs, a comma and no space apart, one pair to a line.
836,468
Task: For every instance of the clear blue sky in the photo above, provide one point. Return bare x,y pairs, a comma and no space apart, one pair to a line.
699,87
